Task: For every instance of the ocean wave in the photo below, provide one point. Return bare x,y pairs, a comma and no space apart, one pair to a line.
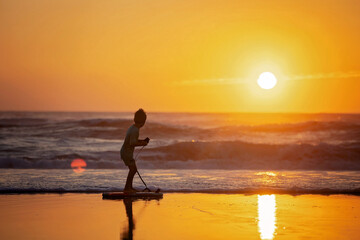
242,155
176,129
310,126
53,143
212,155
100,128
179,129
22,122
60,163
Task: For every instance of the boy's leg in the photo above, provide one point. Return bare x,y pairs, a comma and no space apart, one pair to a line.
130,177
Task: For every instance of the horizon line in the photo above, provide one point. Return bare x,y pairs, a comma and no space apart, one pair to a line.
173,112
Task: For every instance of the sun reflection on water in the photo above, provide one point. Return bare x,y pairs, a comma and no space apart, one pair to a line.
272,174
266,216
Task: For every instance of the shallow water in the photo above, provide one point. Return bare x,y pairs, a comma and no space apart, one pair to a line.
180,180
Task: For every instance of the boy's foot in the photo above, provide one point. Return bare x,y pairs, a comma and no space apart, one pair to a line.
129,191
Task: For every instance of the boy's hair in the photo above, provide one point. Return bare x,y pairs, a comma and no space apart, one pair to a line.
140,116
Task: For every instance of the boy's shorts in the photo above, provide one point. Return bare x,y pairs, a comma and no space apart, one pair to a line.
129,162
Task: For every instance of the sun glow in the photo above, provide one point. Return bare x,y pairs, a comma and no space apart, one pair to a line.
267,80
267,216
78,165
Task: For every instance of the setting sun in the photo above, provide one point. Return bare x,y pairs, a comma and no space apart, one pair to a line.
267,80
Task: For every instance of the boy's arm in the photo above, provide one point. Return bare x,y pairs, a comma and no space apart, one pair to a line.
135,141
139,143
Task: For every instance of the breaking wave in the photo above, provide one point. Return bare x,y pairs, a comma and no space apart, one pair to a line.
52,141
214,155
114,128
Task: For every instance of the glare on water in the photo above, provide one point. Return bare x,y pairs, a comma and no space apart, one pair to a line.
78,165
266,216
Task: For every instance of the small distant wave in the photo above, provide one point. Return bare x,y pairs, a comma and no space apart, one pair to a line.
156,128
307,126
22,122
60,163
115,128
96,128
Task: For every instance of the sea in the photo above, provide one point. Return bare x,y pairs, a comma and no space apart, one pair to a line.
188,152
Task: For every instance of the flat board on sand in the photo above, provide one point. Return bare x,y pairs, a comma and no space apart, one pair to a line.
121,195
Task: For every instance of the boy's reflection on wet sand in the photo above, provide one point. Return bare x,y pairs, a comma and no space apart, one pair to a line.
128,233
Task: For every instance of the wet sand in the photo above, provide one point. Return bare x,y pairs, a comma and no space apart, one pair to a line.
180,216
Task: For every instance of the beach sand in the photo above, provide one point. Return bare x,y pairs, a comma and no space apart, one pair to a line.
180,216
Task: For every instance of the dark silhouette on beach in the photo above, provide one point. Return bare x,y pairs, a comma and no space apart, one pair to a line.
128,235
127,150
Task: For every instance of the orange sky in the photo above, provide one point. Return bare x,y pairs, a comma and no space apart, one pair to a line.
203,56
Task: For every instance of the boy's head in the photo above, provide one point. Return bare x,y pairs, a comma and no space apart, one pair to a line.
140,117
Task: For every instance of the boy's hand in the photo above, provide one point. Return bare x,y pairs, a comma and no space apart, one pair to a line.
147,140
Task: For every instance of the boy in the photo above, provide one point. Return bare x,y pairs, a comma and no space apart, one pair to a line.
127,150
